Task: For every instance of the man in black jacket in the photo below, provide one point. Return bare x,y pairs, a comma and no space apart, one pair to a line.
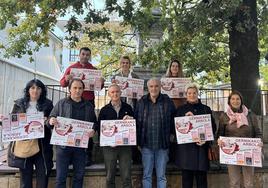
116,109
74,107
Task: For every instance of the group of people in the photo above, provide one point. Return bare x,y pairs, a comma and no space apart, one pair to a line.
154,114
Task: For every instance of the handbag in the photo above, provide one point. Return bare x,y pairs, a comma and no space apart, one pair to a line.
26,148
213,153
12,160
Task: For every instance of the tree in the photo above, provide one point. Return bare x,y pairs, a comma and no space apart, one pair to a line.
208,36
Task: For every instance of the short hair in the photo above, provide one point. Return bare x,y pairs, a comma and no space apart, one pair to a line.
191,86
85,49
114,85
73,80
235,92
153,79
125,57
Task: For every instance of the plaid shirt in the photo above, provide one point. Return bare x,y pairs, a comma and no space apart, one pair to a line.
153,132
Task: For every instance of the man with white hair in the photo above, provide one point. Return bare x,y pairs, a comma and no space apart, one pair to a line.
154,116
116,109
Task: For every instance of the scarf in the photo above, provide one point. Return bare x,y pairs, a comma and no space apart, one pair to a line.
239,118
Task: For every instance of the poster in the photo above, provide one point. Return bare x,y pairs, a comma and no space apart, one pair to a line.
22,126
118,132
90,77
174,87
191,129
130,87
241,151
71,132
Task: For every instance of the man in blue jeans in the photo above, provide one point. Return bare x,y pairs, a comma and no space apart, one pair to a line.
154,116
74,107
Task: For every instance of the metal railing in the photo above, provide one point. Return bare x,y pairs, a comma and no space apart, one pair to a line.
216,99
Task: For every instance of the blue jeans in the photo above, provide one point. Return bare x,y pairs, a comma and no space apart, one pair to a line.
70,155
158,159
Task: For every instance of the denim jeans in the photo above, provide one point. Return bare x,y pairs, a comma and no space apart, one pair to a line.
111,155
154,158
70,155
26,175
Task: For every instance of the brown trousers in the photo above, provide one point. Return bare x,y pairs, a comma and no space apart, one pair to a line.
234,172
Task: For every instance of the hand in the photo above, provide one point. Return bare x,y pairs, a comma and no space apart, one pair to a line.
200,143
68,77
91,133
220,143
127,117
260,144
189,114
53,121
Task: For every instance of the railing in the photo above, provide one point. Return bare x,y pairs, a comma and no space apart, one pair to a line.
216,99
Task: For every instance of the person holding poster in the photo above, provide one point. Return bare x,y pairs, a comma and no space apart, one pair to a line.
116,109
154,116
175,71
192,158
238,121
74,107
125,65
83,63
35,100
125,71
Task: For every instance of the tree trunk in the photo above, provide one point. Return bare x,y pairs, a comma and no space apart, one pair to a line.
244,55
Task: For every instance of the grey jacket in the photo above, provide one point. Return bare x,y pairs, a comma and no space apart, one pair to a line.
63,108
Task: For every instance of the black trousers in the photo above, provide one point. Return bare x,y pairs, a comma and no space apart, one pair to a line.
26,175
188,179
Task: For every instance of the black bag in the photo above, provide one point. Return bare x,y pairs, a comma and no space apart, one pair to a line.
14,161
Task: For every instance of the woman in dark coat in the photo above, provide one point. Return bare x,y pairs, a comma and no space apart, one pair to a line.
35,100
192,158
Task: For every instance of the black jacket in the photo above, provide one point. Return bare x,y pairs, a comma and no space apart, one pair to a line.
108,112
191,156
20,106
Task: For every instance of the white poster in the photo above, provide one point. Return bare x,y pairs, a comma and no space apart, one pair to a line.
130,87
174,87
117,132
71,132
191,129
90,77
22,126
241,151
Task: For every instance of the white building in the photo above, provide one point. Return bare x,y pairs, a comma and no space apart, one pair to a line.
15,72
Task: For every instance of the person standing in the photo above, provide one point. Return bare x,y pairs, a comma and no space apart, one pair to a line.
154,116
125,71
34,101
192,158
74,107
239,121
116,109
83,63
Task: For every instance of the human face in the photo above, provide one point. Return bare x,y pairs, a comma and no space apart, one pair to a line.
235,101
192,95
35,92
114,93
76,90
84,56
174,68
154,88
125,65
